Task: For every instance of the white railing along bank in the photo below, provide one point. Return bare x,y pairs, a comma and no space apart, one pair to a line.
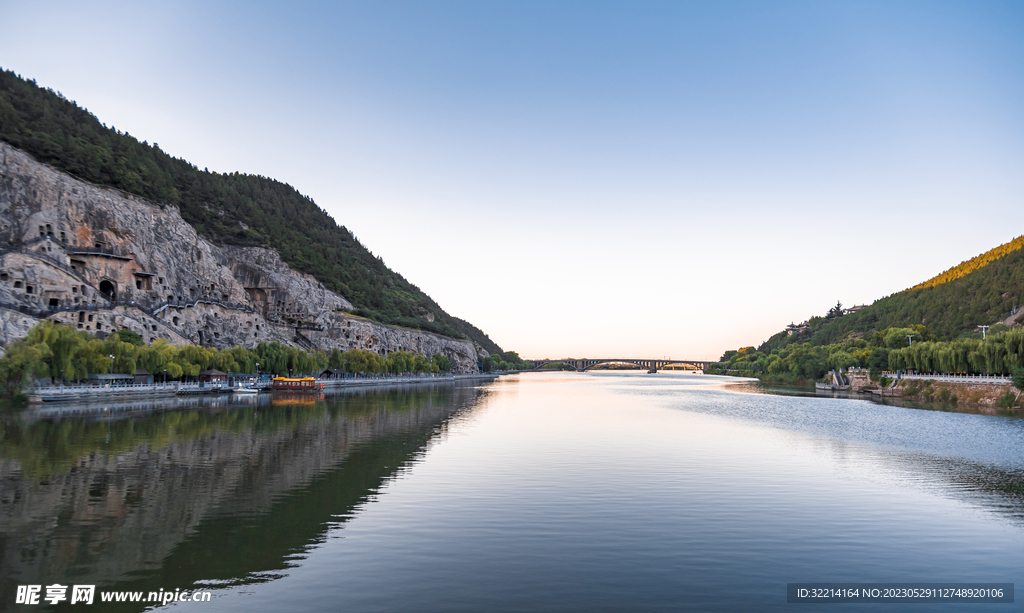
128,389
954,378
86,391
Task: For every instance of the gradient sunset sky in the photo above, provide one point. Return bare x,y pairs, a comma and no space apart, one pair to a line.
628,179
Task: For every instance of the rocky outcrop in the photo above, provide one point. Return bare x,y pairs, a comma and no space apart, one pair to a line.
100,260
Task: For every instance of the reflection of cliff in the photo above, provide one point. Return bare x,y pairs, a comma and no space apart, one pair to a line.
223,504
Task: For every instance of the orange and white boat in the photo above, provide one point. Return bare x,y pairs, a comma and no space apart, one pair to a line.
289,384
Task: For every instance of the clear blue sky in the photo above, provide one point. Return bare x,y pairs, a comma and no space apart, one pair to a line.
581,178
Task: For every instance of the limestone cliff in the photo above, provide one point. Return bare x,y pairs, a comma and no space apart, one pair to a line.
101,260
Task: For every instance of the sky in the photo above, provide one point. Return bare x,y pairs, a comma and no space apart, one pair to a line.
588,179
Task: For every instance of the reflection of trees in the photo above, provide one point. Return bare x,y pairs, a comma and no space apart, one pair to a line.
44,449
993,488
172,498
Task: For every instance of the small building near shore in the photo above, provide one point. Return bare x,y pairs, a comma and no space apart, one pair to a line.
243,379
143,376
213,376
332,373
113,379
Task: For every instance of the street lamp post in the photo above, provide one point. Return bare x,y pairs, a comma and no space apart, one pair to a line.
911,337
984,329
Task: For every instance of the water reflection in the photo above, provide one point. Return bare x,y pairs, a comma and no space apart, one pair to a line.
969,453
552,491
228,490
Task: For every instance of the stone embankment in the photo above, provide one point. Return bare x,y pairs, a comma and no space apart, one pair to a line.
100,260
80,393
984,390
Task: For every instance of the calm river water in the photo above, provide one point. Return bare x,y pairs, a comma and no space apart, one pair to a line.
538,492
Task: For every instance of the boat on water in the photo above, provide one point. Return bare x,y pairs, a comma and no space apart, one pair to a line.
299,384
246,390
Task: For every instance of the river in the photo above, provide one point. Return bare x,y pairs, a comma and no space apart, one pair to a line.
602,491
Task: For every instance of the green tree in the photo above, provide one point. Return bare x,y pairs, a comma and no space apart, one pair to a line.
442,363
1018,378
22,362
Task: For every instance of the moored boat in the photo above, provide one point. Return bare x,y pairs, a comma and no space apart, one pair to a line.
298,384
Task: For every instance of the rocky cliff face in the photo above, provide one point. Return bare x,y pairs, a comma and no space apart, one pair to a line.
101,260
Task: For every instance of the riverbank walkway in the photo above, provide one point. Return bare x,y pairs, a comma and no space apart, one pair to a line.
72,393
954,378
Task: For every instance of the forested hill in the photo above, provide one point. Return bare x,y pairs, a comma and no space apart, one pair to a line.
981,291
965,268
231,208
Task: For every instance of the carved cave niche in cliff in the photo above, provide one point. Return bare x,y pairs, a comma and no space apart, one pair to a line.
143,281
109,289
53,298
258,297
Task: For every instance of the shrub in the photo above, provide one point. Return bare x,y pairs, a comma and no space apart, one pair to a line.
1008,400
1018,378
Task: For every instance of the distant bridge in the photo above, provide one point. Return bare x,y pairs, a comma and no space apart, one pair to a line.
582,364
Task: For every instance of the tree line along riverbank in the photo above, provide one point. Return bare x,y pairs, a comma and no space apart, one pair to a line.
912,348
61,353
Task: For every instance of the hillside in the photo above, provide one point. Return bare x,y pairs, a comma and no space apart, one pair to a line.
931,327
97,260
981,291
228,209
965,268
